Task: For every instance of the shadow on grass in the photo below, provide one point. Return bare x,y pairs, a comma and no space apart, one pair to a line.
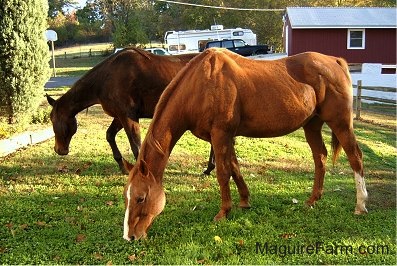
60,165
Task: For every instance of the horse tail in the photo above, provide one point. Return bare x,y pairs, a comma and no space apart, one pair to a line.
335,145
336,148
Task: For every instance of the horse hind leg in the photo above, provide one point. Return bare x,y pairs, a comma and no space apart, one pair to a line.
223,150
345,136
316,143
211,162
111,133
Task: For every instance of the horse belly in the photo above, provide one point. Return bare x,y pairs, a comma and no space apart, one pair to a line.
278,116
268,128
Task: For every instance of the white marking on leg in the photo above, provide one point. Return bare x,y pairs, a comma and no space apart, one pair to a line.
362,194
127,215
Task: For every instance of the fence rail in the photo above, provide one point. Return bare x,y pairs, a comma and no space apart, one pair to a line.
84,53
383,105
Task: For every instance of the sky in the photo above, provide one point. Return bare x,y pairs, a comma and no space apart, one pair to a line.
82,2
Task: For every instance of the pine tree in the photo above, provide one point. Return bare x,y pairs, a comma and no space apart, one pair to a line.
24,57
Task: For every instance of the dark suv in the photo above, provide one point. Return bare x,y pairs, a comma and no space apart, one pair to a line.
239,46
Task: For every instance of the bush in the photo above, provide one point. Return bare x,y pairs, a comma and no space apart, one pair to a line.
24,58
41,116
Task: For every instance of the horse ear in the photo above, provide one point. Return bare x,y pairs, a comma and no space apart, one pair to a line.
50,100
127,164
143,168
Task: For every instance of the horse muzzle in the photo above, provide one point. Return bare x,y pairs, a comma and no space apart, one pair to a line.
135,237
61,151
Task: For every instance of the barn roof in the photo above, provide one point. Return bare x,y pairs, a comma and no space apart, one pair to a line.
341,17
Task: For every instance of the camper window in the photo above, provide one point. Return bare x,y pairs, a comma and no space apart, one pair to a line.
174,47
238,33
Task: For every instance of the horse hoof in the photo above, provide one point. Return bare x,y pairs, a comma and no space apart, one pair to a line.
245,205
217,219
310,203
220,216
207,172
360,211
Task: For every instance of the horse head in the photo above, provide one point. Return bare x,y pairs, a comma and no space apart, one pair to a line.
144,200
64,127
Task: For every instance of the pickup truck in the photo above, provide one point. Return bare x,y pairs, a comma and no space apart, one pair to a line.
239,46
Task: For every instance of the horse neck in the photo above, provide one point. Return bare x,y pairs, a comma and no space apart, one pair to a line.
78,98
159,142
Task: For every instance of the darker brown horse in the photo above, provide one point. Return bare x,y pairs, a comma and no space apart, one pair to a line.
219,95
128,85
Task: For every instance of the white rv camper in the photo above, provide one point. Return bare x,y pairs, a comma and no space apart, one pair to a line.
191,41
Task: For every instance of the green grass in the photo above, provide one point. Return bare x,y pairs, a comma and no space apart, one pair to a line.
69,210
77,66
76,60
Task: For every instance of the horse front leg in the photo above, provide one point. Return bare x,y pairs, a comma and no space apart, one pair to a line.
223,146
133,132
316,143
111,133
211,161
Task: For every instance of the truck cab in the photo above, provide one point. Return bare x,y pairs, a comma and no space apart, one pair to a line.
239,46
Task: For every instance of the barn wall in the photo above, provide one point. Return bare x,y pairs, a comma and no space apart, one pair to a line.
380,44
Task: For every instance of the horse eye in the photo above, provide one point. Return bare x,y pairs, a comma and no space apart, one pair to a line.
140,199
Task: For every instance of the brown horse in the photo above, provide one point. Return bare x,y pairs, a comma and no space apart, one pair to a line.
128,85
219,95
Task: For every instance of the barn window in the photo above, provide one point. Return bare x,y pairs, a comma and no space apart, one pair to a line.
355,39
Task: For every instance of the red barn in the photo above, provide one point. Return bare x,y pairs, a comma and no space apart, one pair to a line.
358,34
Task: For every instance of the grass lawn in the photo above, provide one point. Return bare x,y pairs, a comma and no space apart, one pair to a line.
69,210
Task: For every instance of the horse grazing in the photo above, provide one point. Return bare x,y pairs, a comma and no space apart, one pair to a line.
219,95
128,85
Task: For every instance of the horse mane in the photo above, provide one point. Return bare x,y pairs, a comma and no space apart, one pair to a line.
153,142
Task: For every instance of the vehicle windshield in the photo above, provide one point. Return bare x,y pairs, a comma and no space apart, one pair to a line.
214,44
228,44
239,43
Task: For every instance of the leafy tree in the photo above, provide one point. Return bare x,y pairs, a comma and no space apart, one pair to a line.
90,24
24,57
90,14
66,27
59,6
126,18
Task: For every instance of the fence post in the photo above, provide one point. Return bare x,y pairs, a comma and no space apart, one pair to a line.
358,99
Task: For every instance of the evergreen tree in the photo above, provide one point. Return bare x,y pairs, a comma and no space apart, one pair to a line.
24,57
